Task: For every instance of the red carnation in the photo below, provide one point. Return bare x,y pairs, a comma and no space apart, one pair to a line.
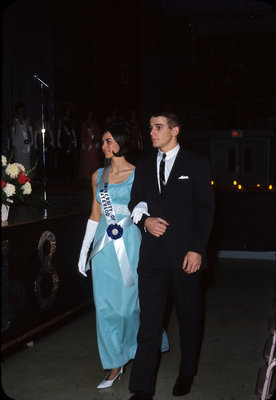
3,183
22,178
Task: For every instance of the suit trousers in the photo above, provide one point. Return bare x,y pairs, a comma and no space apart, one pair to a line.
155,283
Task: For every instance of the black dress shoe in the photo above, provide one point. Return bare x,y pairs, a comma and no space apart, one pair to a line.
182,385
139,396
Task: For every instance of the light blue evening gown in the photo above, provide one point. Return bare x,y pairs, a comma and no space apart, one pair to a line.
117,307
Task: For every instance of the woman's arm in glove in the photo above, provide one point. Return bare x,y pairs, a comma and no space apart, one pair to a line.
91,227
90,231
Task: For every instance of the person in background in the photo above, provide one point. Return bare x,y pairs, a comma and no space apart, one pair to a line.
89,148
67,144
113,115
137,143
22,136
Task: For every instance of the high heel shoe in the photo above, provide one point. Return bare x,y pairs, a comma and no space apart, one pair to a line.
107,383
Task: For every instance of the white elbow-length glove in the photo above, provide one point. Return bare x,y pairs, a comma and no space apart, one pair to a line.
87,240
138,211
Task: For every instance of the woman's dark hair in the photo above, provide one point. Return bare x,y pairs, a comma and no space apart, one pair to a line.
120,131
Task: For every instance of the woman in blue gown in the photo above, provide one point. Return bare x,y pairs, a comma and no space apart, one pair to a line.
114,257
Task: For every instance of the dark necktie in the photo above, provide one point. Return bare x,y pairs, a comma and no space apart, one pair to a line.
162,173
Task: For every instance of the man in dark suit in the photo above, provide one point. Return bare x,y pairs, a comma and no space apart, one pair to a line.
172,202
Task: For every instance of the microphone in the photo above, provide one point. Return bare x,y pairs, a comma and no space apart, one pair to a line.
35,76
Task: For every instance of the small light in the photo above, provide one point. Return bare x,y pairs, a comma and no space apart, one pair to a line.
235,183
239,187
237,134
212,182
43,130
270,187
258,185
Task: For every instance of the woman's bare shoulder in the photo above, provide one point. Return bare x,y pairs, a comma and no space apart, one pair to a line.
94,178
131,167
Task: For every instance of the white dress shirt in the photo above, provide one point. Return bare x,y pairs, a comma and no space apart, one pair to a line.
169,161
142,207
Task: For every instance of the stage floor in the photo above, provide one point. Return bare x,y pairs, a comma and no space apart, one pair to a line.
65,364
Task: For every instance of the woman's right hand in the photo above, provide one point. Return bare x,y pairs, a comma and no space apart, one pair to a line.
91,228
82,261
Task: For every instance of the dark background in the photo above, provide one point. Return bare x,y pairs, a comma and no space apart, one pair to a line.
213,61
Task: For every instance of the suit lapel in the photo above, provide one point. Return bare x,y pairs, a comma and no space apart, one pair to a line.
153,172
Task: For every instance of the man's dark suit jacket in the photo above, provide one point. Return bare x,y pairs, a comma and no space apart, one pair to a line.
187,204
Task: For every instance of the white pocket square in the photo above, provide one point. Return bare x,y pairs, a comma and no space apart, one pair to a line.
183,177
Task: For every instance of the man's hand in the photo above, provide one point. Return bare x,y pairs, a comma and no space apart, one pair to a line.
192,262
156,226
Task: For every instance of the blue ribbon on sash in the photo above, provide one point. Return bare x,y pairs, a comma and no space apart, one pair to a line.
114,232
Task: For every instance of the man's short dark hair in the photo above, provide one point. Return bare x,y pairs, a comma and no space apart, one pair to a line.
172,118
120,131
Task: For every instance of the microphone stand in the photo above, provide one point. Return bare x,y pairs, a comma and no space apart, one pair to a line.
43,130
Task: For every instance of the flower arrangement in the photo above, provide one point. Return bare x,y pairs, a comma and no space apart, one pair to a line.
15,183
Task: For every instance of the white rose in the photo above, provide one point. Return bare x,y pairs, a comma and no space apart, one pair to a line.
9,189
27,188
20,166
12,170
4,161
